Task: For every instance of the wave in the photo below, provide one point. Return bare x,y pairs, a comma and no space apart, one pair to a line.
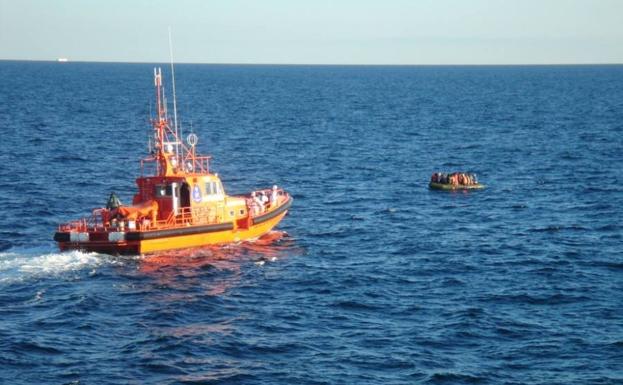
4,245
455,378
68,158
29,347
543,299
355,305
32,263
557,228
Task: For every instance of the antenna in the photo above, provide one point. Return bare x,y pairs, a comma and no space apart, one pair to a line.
174,98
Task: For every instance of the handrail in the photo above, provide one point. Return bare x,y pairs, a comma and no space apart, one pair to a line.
190,165
282,197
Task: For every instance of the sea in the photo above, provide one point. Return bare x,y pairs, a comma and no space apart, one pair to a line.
371,278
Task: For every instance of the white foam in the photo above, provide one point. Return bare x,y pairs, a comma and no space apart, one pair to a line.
23,264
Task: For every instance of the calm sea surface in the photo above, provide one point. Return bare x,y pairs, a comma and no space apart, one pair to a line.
373,279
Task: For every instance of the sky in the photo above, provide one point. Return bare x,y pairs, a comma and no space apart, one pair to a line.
315,31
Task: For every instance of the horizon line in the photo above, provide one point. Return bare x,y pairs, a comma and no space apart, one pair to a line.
67,60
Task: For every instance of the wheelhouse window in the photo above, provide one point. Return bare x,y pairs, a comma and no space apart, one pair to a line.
163,190
213,188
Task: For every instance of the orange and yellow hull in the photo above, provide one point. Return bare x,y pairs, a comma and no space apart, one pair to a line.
214,238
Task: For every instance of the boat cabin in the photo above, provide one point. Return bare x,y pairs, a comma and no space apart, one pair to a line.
199,198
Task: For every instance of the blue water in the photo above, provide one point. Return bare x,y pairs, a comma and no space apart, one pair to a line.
374,279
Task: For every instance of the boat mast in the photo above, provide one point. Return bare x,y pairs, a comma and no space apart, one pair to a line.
160,125
171,155
177,145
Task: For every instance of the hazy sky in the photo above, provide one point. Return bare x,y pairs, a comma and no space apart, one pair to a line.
315,31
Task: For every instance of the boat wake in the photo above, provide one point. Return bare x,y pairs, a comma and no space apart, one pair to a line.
33,263
24,264
270,238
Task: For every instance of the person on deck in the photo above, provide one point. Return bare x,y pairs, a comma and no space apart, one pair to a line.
264,200
274,196
258,207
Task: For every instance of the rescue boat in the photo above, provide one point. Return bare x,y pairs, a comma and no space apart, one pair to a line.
180,203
